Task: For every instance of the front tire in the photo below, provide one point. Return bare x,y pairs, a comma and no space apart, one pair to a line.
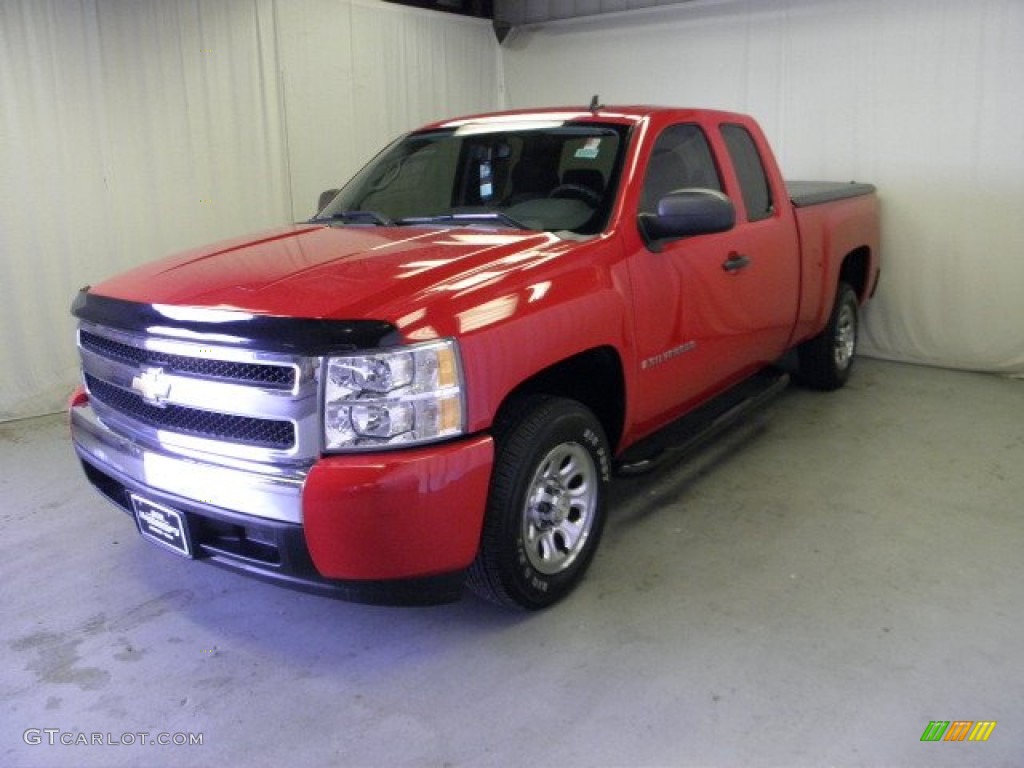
546,506
827,359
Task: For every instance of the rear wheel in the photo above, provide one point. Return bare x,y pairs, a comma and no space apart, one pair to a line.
826,360
545,510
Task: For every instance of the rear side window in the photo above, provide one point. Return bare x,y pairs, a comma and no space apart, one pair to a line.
757,194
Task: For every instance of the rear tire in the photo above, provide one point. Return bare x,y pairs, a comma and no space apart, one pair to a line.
827,359
546,506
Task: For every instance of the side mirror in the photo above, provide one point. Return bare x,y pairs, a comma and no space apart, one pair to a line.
325,197
689,212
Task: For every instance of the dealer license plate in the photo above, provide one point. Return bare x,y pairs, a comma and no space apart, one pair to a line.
163,525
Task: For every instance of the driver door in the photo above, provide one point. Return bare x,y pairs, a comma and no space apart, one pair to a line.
694,333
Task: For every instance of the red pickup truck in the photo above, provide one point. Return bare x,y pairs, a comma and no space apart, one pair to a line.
431,383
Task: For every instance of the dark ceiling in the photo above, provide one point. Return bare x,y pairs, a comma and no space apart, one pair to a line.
508,14
483,9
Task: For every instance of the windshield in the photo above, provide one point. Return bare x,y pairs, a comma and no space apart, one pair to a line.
542,177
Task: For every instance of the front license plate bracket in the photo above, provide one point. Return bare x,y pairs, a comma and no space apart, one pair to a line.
162,525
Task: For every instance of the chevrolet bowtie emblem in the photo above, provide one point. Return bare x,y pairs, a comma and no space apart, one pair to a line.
153,386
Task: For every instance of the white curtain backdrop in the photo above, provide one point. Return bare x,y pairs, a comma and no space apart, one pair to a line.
133,128
925,98
130,129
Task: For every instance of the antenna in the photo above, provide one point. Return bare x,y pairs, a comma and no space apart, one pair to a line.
595,104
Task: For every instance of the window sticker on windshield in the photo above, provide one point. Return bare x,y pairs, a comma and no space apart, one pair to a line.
590,150
486,181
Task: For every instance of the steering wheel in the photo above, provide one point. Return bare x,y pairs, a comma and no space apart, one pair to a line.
577,191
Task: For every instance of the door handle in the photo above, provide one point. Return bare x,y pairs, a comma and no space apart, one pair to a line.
735,262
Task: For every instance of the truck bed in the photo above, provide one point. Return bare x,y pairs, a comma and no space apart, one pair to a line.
806,193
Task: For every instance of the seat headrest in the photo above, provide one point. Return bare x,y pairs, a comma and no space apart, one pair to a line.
585,177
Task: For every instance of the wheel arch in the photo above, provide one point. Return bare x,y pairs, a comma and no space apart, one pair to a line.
594,378
855,271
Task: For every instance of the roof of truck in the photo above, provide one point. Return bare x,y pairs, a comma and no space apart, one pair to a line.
602,113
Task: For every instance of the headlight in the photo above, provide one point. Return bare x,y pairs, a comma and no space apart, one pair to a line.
407,395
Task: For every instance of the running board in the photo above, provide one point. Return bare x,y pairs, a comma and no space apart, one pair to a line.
692,431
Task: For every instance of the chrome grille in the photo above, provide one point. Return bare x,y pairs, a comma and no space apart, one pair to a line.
274,376
202,397
267,433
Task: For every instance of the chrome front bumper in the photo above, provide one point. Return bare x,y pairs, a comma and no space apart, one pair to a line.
273,493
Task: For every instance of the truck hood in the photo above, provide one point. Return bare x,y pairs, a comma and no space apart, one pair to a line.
316,271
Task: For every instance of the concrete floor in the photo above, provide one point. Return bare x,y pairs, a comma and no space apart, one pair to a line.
810,591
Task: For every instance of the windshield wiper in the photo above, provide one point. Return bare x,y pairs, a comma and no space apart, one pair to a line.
358,217
465,219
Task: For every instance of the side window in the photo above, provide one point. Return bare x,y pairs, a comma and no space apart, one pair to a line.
757,194
681,159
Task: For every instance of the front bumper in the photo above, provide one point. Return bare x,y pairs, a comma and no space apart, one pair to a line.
399,527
